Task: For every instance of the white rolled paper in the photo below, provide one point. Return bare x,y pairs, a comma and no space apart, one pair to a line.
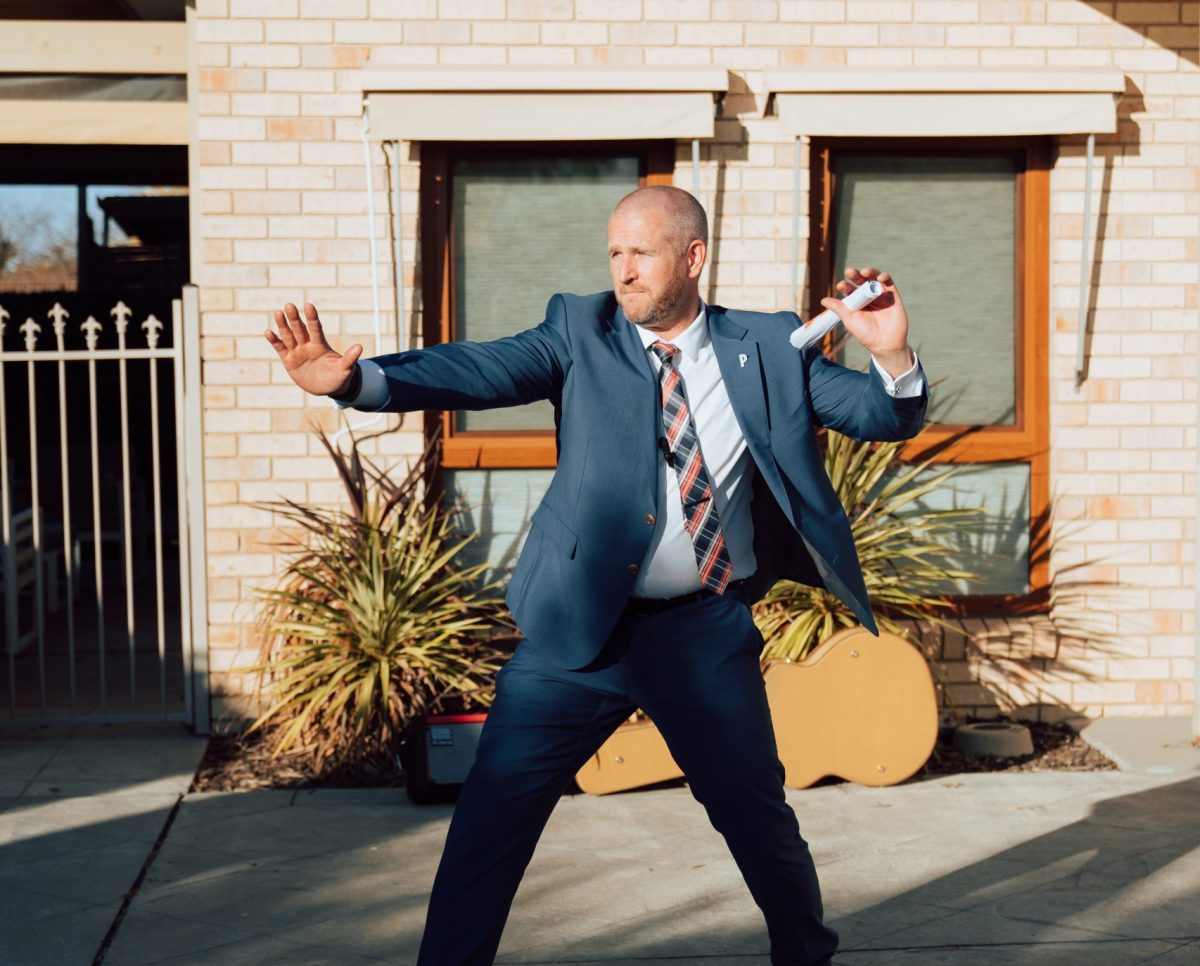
815,329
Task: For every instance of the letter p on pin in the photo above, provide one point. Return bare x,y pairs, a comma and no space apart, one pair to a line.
743,359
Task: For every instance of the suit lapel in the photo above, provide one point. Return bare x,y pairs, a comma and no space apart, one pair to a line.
638,387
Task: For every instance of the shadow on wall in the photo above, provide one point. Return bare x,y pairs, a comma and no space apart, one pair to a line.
1170,26
1042,656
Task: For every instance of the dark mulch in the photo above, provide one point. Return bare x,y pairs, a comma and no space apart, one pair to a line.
1056,747
233,763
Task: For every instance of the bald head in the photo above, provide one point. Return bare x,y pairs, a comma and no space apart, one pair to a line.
684,216
657,242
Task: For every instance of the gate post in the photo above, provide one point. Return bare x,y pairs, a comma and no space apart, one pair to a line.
192,550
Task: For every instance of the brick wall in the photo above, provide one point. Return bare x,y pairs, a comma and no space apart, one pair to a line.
281,187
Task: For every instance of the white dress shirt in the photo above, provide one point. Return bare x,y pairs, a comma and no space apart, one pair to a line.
669,568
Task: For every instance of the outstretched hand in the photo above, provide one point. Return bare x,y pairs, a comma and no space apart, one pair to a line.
882,326
311,361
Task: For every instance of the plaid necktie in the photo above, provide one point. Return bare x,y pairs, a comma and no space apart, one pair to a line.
699,509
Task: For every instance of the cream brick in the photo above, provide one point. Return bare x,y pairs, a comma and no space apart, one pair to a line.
997,35
256,104
1144,12
333,9
471,9
266,153
880,11
232,129
305,177
437,33
579,34
264,8
949,57
846,35
212,55
744,11
946,11
912,35
229,31
608,10
265,55
300,31
678,56
303,276
504,33
541,9
812,11
403,9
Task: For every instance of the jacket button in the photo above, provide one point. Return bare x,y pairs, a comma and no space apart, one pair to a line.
633,568
650,519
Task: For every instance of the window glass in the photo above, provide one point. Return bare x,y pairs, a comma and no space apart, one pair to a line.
131,237
523,229
939,225
994,545
497,504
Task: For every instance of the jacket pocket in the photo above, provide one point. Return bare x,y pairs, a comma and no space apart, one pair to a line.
556,530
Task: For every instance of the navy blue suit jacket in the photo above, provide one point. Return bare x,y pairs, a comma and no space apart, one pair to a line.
589,532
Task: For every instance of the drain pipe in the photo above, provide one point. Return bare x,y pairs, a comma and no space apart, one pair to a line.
374,256
1196,559
796,227
1084,274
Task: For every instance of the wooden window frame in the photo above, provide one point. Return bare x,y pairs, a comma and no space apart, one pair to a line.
509,448
1027,440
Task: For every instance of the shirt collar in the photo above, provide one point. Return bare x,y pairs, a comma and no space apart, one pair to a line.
690,341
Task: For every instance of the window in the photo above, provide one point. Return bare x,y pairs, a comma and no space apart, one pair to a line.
937,214
507,226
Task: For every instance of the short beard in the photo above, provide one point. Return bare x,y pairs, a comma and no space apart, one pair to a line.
662,309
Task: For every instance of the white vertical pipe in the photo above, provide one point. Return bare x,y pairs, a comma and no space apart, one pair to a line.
796,227
1084,280
398,251
1196,563
696,167
374,256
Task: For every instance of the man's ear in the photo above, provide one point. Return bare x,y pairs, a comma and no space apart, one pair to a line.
697,252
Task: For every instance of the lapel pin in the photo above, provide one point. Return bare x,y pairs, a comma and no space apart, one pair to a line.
743,359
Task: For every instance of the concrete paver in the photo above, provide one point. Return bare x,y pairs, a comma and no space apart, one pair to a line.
1032,868
1150,746
1041,868
81,809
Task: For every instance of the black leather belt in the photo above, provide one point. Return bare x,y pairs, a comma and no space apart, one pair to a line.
641,606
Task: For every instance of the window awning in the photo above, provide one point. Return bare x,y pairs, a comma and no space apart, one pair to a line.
945,101
541,103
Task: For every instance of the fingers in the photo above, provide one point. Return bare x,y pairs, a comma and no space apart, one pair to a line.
314,330
836,306
298,328
286,336
857,277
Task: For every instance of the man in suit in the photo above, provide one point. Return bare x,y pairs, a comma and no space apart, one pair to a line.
689,480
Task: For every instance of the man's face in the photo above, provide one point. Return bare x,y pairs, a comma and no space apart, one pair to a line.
649,273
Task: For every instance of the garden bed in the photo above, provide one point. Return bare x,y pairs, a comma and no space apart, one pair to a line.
234,763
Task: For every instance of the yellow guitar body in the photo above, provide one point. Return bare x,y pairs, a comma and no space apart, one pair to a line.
859,707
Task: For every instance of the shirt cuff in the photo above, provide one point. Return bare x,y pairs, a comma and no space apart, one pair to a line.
373,388
907,385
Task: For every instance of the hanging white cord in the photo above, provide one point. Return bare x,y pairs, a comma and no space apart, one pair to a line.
374,266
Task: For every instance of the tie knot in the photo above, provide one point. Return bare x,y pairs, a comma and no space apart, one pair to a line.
665,351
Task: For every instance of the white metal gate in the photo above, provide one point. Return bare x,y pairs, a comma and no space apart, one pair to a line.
99,436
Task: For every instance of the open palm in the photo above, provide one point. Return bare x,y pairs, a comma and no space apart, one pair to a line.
309,359
881,327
